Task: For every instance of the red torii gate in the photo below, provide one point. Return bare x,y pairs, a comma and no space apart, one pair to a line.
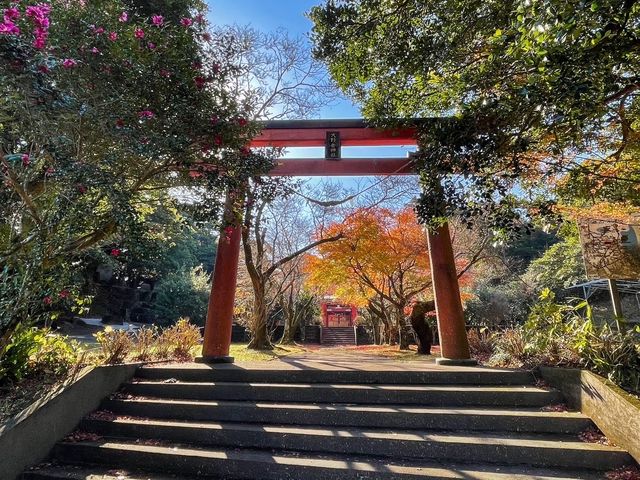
333,134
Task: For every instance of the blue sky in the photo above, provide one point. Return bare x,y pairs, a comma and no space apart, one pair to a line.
269,15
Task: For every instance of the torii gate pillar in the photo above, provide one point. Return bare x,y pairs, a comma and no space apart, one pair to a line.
454,345
219,324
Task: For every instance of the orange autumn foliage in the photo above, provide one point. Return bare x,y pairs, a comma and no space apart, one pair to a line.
382,253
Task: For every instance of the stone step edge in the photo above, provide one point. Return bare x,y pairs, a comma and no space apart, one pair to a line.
359,407
353,387
340,376
313,465
520,439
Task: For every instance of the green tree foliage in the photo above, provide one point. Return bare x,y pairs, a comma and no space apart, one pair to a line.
104,106
558,268
521,92
184,293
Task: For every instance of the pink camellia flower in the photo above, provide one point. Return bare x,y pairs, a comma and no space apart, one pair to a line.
113,36
157,20
98,31
217,140
11,14
199,18
124,16
49,171
151,46
115,252
138,33
146,114
242,121
39,43
64,294
186,22
200,82
9,28
206,37
95,51
40,10
43,69
47,300
26,160
69,63
165,73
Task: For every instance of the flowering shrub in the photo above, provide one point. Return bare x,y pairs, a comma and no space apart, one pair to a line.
105,107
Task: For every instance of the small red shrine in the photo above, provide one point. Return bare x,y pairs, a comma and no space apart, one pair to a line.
336,315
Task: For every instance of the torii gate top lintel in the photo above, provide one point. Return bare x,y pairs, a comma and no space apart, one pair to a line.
333,135
312,133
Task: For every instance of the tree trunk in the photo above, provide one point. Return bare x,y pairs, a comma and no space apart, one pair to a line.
288,337
259,336
404,333
290,324
421,326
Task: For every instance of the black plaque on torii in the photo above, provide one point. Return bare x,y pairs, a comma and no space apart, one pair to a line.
332,148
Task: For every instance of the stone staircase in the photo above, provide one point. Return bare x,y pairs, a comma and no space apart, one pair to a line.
188,422
338,336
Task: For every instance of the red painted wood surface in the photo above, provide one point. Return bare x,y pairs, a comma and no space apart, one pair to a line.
349,137
309,167
446,291
217,331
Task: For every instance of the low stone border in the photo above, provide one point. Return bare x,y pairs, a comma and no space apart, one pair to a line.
27,438
613,410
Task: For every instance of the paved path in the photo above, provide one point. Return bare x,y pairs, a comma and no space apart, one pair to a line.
335,359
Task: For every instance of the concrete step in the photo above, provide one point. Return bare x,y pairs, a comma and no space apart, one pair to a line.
80,472
512,396
537,450
247,464
441,376
399,417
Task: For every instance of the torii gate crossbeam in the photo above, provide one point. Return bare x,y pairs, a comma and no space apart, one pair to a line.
314,133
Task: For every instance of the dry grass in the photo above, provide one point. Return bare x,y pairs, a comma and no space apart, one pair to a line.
242,354
388,352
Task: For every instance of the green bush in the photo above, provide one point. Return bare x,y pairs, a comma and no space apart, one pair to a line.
559,334
183,294
35,351
502,304
559,267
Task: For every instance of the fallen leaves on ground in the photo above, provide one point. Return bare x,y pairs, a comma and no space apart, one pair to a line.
593,435
558,407
81,436
624,473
